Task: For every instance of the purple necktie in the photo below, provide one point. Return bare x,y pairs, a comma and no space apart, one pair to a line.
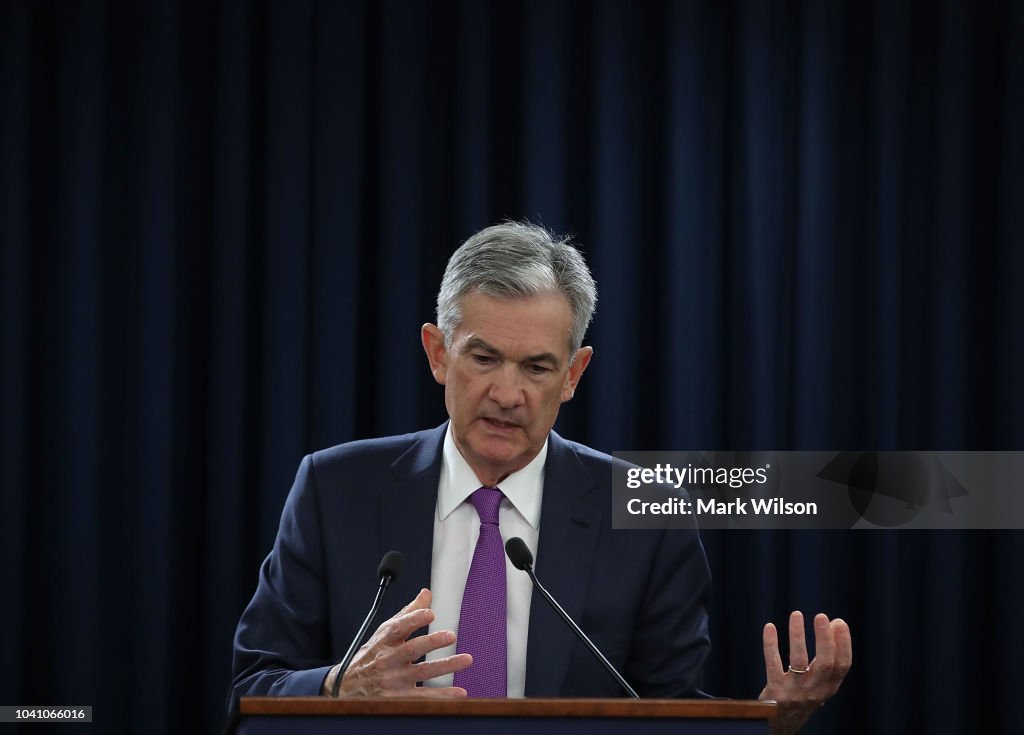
482,620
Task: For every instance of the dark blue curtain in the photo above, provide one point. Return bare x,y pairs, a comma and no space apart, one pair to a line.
223,223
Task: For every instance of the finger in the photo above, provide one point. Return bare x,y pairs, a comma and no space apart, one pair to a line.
420,646
797,642
399,628
387,631
772,659
441,667
419,602
843,649
824,650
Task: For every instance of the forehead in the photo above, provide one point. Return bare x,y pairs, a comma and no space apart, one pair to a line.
518,326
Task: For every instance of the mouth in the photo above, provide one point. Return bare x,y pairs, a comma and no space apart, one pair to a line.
499,425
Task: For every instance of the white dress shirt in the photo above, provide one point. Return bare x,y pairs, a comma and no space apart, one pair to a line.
456,528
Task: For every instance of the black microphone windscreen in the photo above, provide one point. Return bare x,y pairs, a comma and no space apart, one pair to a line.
519,553
391,565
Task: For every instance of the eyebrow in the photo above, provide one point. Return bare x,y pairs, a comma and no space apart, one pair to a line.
475,343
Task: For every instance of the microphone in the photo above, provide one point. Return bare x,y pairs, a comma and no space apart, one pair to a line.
389,569
521,557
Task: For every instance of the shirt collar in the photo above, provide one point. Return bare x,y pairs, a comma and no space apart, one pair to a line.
459,481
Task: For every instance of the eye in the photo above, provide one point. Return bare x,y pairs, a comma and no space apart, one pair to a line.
538,369
482,359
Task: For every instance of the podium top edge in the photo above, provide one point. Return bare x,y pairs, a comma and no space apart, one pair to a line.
406,707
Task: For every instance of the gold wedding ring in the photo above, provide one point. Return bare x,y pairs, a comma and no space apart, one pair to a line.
799,671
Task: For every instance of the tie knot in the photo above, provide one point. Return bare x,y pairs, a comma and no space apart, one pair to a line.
486,501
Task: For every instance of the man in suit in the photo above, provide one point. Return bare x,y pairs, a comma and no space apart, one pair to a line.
512,311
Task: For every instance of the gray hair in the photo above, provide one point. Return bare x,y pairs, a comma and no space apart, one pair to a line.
515,260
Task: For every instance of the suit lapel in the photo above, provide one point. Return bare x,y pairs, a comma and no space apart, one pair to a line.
407,511
570,524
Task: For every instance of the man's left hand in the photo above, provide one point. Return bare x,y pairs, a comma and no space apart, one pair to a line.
805,686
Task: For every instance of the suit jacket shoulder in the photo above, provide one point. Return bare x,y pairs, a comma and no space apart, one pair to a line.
348,505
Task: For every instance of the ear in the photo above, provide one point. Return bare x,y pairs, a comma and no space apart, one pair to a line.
437,355
572,378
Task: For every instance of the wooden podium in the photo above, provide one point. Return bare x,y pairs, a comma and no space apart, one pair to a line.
315,715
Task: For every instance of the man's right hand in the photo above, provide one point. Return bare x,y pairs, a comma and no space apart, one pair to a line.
385,665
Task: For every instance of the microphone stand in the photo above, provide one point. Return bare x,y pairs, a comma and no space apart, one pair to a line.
528,568
385,580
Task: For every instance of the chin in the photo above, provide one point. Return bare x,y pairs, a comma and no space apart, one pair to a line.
496,453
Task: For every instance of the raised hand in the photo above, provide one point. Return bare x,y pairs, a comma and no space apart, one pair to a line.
386,664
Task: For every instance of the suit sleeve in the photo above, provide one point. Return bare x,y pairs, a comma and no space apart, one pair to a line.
282,642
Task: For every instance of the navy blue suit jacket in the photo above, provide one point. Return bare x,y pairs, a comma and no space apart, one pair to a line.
641,596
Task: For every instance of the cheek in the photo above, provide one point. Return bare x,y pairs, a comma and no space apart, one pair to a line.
546,403
463,394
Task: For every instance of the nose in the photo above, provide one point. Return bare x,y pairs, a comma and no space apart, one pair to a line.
506,388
